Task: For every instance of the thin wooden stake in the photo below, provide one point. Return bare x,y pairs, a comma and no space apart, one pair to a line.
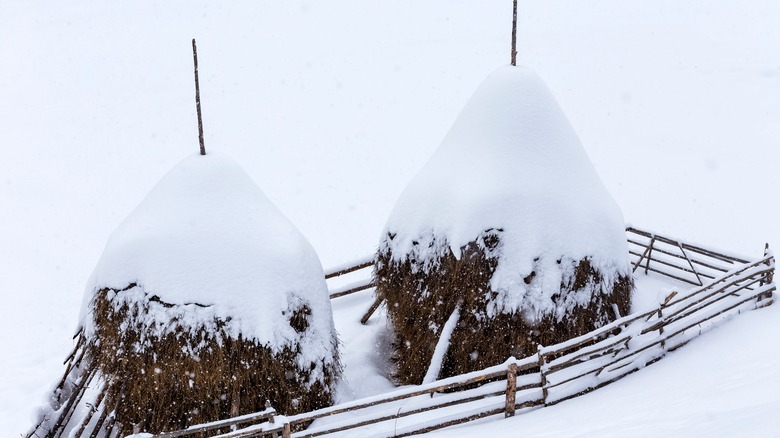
514,32
649,254
661,328
371,310
690,264
642,257
197,98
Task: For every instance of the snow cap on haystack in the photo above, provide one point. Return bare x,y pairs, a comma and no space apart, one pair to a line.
209,298
207,235
511,191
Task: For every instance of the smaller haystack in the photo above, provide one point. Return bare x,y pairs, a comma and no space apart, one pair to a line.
508,222
205,303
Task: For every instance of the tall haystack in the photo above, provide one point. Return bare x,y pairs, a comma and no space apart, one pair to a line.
509,223
205,303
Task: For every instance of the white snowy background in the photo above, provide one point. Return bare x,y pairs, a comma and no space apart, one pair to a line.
332,107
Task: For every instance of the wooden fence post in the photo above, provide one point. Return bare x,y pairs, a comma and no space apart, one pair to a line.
371,310
764,278
661,315
542,374
767,278
511,389
286,431
661,329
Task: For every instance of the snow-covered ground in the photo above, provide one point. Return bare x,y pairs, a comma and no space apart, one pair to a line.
366,369
723,384
333,107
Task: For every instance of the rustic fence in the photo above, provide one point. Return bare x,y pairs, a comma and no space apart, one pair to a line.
724,286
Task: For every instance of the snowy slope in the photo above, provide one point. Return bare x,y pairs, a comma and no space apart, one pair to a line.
332,108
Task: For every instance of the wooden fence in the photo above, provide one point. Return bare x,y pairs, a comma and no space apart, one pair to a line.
724,286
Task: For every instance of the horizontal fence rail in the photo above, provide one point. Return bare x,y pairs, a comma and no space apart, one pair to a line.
662,255
361,268
677,260
723,286
652,252
215,426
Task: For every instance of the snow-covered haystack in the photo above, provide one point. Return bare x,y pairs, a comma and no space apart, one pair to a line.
206,303
509,223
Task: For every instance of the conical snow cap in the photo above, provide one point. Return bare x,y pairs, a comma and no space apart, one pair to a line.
512,161
207,236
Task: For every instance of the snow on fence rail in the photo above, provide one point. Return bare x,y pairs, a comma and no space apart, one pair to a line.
265,417
723,286
359,267
687,263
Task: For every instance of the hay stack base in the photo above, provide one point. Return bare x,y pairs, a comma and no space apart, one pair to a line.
422,293
193,375
188,375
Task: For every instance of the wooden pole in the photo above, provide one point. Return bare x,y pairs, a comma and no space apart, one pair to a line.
690,264
371,310
542,374
768,277
514,32
649,254
197,98
511,390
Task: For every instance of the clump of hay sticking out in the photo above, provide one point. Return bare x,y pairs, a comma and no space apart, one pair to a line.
509,219
164,373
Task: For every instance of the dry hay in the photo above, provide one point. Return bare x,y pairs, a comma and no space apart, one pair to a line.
191,375
421,294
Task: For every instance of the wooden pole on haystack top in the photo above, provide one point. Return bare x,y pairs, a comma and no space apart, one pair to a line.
514,32
197,98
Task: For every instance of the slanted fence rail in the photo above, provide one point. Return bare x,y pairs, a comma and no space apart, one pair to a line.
723,286
681,261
